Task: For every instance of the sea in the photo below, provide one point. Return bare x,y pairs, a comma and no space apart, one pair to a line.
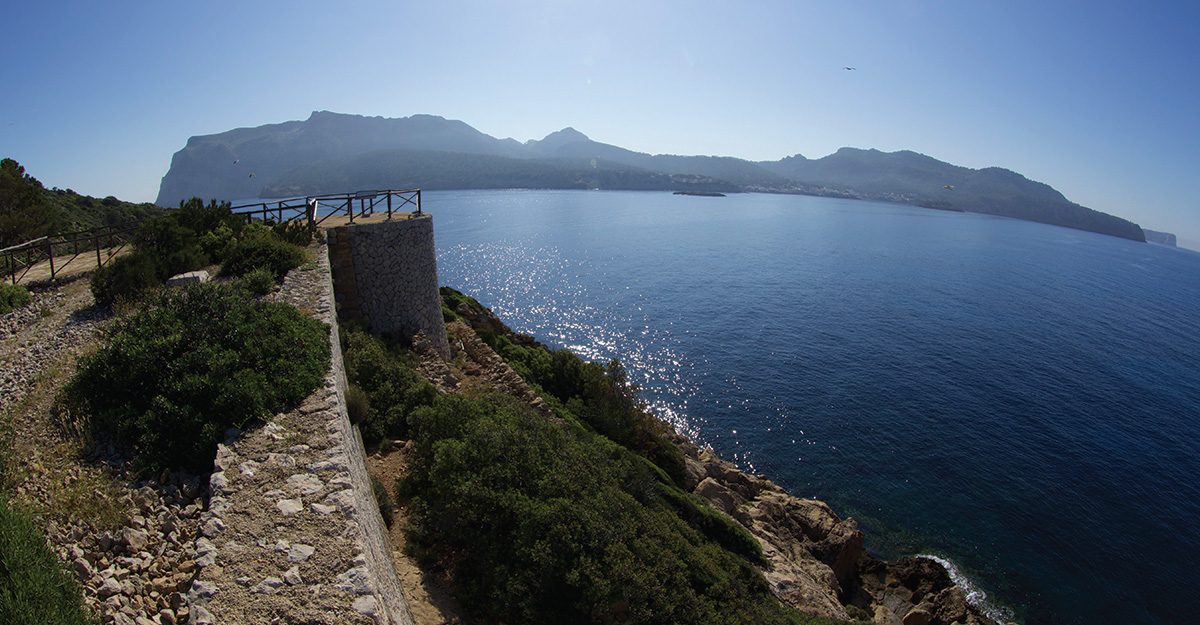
1017,400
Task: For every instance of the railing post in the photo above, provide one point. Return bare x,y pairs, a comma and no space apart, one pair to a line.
50,253
389,204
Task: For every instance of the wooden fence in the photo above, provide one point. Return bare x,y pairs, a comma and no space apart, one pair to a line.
105,241
317,208
108,241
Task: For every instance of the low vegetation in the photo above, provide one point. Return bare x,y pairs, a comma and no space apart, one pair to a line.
13,296
195,236
388,385
600,396
538,520
35,586
191,364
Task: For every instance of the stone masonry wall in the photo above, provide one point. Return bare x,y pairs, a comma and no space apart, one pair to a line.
395,271
292,533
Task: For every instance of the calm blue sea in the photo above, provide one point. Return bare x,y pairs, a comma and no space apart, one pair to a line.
1019,400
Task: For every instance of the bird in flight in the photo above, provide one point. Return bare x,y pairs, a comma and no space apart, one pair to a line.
850,69
235,161
949,187
251,175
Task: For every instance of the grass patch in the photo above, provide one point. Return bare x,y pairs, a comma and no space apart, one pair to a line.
35,587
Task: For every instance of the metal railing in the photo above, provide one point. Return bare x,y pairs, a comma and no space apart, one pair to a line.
19,259
317,208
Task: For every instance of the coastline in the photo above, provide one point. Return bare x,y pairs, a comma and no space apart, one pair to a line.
817,563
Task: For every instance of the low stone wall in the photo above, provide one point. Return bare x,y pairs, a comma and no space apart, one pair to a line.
292,533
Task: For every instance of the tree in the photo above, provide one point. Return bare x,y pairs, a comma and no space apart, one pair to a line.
24,212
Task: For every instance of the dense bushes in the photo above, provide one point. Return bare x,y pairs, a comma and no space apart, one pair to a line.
262,252
540,523
12,296
391,385
192,364
34,585
194,236
130,277
600,396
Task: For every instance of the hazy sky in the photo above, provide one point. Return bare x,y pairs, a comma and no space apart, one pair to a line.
1098,99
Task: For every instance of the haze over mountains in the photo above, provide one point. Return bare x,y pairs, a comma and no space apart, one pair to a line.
336,153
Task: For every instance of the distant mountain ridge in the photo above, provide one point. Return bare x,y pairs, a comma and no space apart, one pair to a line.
333,152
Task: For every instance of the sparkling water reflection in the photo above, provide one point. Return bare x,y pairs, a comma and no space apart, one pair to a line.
1017,399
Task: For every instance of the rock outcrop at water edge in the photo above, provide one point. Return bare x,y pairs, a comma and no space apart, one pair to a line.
816,561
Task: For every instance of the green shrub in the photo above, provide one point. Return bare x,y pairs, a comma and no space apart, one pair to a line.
601,397
258,282
34,585
357,404
13,296
130,277
253,252
193,363
387,505
393,387
540,523
217,244
296,232
175,248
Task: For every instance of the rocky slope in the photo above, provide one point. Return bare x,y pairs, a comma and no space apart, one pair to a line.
130,542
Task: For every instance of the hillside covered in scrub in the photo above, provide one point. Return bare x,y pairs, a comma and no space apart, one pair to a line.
539,489
28,210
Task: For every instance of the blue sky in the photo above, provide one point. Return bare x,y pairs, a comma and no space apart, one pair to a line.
1097,99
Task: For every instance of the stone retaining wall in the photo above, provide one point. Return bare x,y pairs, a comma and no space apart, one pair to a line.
292,533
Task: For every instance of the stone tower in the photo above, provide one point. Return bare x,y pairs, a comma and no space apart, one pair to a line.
386,274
